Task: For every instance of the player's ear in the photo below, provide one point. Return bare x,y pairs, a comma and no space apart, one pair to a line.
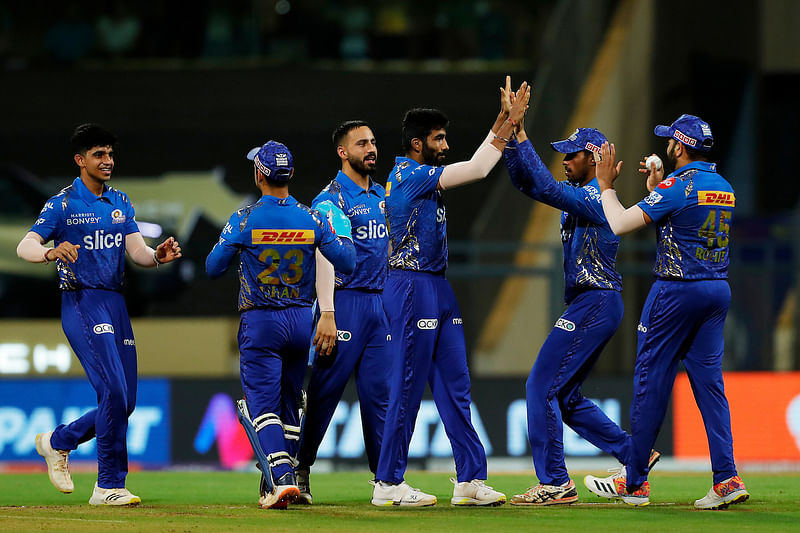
416,143
78,160
341,151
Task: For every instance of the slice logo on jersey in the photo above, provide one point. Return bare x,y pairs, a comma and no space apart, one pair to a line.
427,323
99,329
566,325
667,183
117,217
372,230
100,240
721,198
283,236
653,198
343,335
458,321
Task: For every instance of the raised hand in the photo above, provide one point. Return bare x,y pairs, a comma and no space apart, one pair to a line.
607,168
168,251
654,174
66,251
506,94
520,105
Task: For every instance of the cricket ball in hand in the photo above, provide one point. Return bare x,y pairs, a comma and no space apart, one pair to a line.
653,159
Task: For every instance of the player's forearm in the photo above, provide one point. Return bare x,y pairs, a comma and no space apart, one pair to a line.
621,220
531,175
139,252
219,258
31,249
465,172
325,282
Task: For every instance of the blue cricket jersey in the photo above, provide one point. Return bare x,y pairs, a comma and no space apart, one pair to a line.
415,217
99,225
276,239
693,210
590,247
365,208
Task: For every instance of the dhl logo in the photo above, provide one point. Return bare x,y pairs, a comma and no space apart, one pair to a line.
716,198
283,236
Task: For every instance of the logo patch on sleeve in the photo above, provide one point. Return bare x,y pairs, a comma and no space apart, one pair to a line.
667,183
283,236
566,325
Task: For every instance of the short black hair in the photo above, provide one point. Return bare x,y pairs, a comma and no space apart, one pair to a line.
87,136
346,127
419,123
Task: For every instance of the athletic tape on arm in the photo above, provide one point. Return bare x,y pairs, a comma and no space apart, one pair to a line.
324,282
478,167
621,220
137,249
30,248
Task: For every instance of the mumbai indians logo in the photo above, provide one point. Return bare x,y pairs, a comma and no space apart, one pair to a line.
342,335
99,329
283,236
716,198
117,217
382,205
565,324
427,323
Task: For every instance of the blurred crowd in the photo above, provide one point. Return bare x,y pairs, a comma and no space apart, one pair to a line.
68,32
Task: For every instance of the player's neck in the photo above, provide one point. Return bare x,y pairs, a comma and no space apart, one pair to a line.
416,156
272,190
95,186
357,178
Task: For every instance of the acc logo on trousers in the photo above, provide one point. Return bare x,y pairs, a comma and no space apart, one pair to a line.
427,323
99,329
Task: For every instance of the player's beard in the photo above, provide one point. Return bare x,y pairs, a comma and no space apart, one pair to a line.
673,160
432,157
362,166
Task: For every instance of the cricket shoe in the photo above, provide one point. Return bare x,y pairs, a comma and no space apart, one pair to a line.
388,494
475,493
57,463
121,496
548,495
613,487
723,494
302,475
653,459
284,491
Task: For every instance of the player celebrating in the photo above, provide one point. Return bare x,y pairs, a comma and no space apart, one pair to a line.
684,314
427,337
594,312
361,321
92,226
276,239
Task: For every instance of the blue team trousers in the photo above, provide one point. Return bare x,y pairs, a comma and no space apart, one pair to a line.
427,347
98,328
681,321
273,349
553,390
363,332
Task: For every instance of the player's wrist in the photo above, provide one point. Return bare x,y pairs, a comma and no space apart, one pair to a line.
47,259
156,260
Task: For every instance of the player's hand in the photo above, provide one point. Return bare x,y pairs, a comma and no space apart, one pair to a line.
654,175
506,94
325,339
520,105
66,251
607,168
168,251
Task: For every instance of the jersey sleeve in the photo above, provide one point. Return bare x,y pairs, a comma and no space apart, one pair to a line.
421,181
130,220
665,199
227,246
530,175
50,222
340,252
326,195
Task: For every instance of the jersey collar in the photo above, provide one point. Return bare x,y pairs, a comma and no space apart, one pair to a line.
274,200
704,166
85,194
353,188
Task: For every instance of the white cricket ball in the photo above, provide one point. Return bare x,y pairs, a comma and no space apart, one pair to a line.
653,159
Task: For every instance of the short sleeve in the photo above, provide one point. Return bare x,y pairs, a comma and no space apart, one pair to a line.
130,220
665,199
49,224
423,180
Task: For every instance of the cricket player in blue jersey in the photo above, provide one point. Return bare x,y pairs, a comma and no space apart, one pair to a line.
684,315
593,314
426,327
276,239
92,226
351,315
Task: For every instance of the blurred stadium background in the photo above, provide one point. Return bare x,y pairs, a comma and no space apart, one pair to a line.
189,87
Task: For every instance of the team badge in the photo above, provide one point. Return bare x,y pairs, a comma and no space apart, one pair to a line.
117,217
382,207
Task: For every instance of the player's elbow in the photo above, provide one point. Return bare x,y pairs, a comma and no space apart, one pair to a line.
346,263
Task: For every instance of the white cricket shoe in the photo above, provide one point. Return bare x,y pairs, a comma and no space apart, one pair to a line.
57,463
121,496
389,494
475,492
614,487
304,485
723,494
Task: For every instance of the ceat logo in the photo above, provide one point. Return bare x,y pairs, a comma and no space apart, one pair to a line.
283,236
566,325
427,323
99,329
343,335
721,198
667,183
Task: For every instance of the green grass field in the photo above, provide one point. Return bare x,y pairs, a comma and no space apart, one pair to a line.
226,501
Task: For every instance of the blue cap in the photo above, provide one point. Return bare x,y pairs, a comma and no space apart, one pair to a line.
690,130
582,139
274,160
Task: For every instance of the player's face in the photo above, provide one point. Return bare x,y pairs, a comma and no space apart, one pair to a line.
361,150
97,163
672,145
435,148
577,166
